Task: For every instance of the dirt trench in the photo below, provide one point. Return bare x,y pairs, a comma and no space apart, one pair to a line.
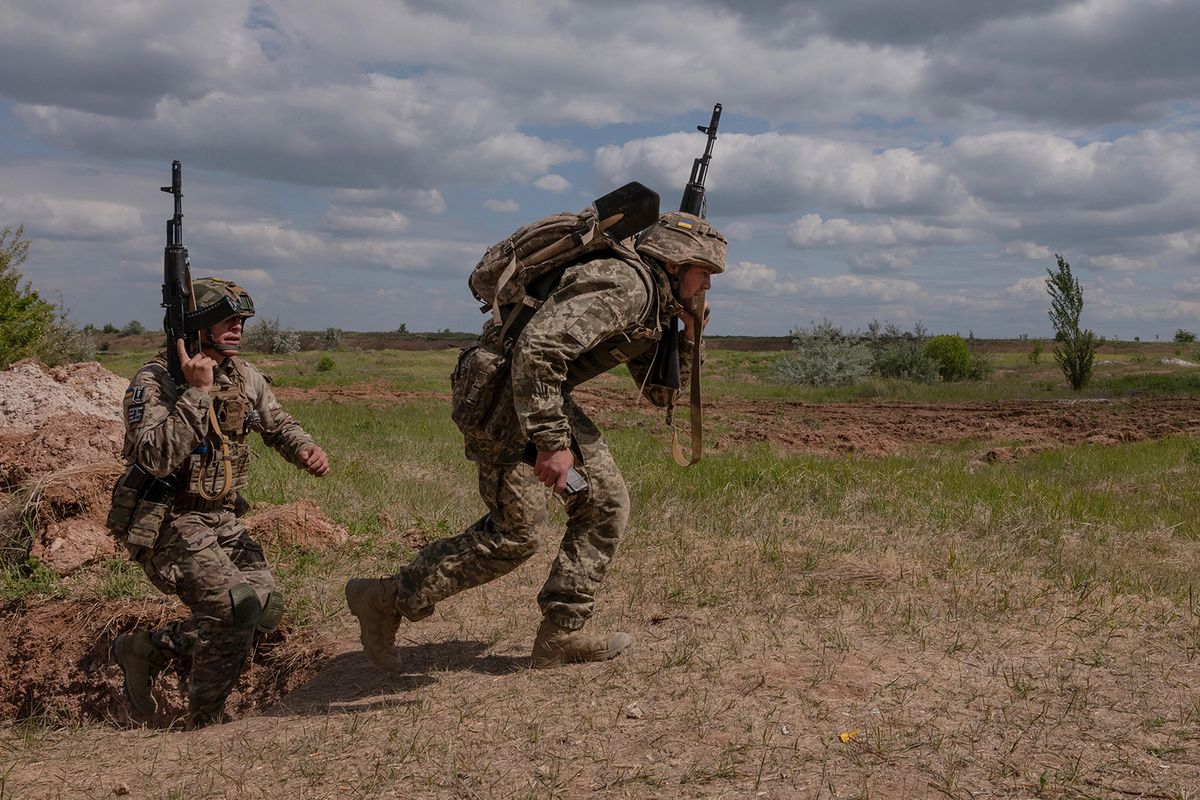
55,664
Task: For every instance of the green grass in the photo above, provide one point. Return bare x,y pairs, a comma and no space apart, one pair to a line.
1065,512
30,578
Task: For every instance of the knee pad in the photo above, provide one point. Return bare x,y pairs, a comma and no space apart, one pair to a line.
246,609
272,612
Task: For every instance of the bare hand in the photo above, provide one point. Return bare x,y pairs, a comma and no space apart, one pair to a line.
198,369
551,468
314,460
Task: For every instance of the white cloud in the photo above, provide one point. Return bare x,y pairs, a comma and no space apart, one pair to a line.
553,183
1028,250
811,231
64,218
1028,289
508,206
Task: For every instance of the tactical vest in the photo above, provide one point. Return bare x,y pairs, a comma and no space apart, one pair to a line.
204,470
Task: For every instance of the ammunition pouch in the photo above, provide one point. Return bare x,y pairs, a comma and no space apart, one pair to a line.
477,382
139,507
205,470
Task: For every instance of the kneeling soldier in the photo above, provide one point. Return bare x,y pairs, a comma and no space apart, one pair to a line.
176,507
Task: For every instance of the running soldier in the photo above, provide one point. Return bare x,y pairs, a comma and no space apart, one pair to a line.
614,308
177,507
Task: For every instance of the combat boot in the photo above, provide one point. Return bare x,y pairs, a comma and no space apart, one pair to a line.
373,601
139,659
555,646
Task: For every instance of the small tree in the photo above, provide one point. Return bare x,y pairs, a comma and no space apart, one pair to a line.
133,328
1035,353
1184,336
25,318
1074,349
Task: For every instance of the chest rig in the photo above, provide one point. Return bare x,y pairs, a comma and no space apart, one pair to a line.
220,465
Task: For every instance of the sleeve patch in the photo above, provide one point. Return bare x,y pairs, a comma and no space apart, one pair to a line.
135,414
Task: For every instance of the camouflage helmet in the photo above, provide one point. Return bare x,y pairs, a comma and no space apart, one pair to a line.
222,299
684,239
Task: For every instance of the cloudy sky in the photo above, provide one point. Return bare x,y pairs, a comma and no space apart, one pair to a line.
902,160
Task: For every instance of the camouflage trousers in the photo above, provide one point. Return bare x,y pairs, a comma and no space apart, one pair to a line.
200,556
508,535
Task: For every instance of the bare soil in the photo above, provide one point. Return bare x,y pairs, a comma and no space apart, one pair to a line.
866,428
855,677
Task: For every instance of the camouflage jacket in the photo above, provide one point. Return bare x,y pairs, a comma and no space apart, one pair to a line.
597,306
164,426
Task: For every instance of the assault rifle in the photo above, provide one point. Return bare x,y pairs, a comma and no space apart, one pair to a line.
693,194
177,281
694,203
182,320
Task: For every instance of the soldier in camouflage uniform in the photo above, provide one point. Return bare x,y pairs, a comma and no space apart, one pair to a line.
611,309
177,507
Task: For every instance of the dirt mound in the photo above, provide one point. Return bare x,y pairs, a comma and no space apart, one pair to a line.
56,663
299,524
61,441
31,393
60,448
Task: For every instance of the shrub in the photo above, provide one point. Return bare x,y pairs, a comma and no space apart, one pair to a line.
1184,336
1035,354
109,328
900,354
325,364
981,367
331,339
824,356
268,337
63,343
133,328
952,356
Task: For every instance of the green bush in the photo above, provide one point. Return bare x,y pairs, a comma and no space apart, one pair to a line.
1184,336
981,367
331,339
900,354
268,337
325,364
952,356
109,328
824,356
133,328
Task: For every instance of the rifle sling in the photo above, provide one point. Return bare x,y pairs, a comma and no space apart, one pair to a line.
697,416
